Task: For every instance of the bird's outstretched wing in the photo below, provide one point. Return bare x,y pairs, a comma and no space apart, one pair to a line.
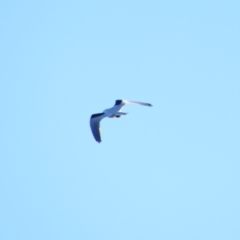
95,125
134,102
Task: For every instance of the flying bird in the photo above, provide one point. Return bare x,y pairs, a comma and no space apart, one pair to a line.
111,113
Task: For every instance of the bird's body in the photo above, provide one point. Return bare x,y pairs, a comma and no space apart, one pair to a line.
111,113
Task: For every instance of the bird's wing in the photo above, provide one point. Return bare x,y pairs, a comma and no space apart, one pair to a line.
135,102
95,125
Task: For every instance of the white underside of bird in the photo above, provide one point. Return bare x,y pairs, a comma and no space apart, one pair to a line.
111,113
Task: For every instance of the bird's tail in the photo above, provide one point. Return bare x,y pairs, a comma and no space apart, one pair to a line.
118,115
122,113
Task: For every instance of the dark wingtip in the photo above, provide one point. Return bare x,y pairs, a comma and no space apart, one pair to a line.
118,102
97,115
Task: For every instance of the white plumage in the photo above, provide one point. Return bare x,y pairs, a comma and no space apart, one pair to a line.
111,113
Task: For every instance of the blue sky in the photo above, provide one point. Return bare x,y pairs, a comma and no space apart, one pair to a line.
167,172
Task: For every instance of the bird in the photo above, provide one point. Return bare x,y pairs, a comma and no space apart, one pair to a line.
113,112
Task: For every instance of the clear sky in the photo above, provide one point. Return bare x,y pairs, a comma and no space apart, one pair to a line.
167,172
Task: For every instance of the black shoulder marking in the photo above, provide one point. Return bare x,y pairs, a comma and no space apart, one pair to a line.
97,115
118,102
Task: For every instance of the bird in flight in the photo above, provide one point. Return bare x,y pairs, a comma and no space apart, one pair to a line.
111,113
